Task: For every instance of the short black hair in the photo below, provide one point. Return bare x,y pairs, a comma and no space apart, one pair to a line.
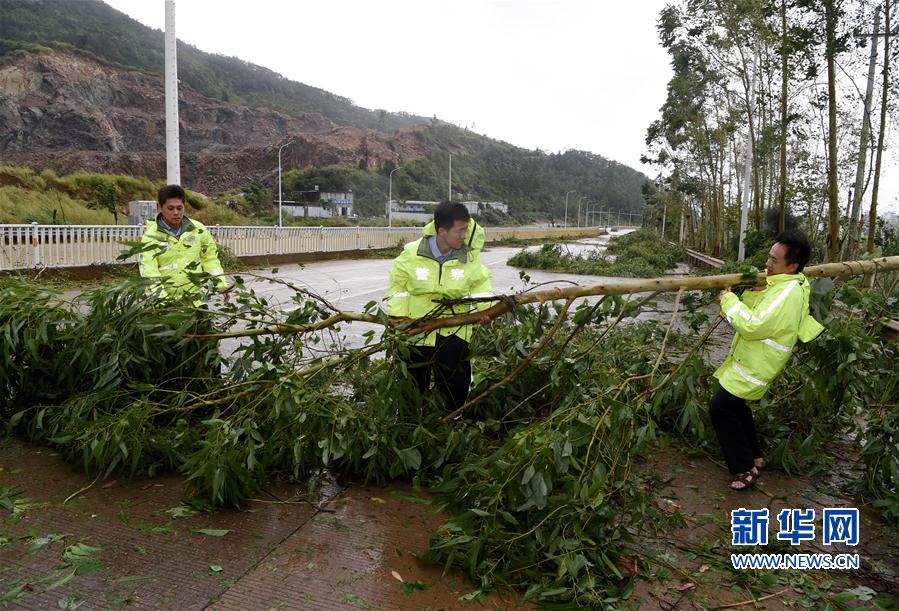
447,213
798,248
171,192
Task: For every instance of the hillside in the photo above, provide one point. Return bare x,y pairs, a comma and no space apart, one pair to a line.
66,108
118,39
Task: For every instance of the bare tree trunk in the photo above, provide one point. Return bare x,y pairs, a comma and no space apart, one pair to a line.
852,235
785,76
833,209
872,216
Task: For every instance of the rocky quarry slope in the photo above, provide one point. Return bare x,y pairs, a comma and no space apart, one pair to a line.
67,111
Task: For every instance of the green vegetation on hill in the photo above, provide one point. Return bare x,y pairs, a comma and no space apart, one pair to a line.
532,183
118,39
83,198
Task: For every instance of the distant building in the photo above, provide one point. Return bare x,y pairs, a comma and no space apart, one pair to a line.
414,210
478,207
140,211
320,204
415,205
340,202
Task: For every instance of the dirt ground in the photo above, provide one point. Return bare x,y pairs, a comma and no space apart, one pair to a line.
139,544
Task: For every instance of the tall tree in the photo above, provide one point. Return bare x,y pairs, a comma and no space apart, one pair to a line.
833,210
785,77
872,215
852,234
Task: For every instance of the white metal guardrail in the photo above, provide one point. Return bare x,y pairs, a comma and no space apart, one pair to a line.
35,246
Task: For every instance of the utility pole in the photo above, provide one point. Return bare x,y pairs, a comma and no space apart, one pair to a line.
172,147
449,187
280,148
566,205
390,197
747,174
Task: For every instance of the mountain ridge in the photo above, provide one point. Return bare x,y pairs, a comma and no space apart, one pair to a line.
67,107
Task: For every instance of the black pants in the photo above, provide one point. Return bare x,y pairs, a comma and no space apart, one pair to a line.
450,361
735,427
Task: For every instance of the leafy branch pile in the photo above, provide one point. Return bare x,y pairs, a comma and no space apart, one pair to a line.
539,478
639,254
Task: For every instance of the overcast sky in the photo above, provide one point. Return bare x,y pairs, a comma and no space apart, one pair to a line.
548,74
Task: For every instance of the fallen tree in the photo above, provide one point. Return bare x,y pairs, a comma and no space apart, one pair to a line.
617,287
541,479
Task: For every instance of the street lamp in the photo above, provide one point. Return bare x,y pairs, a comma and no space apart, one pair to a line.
280,148
583,197
566,205
390,197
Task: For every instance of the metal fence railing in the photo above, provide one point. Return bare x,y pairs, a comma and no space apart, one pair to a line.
35,246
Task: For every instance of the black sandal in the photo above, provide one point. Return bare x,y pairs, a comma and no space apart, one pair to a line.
747,479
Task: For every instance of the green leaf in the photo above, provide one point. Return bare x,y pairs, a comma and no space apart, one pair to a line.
410,588
355,600
411,498
211,532
472,595
133,578
181,511
16,418
411,458
61,581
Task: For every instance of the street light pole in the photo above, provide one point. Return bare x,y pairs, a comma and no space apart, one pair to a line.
280,148
566,205
449,184
390,197
172,142
582,198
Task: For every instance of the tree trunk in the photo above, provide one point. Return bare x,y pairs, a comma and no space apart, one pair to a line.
852,235
872,215
622,286
785,75
833,209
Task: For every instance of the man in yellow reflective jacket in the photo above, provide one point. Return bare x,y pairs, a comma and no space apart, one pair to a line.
174,247
444,263
768,322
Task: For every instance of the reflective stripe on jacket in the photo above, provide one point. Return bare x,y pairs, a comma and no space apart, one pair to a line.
172,259
417,279
768,325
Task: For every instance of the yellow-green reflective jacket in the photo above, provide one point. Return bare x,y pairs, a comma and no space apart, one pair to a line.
172,259
768,326
417,279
